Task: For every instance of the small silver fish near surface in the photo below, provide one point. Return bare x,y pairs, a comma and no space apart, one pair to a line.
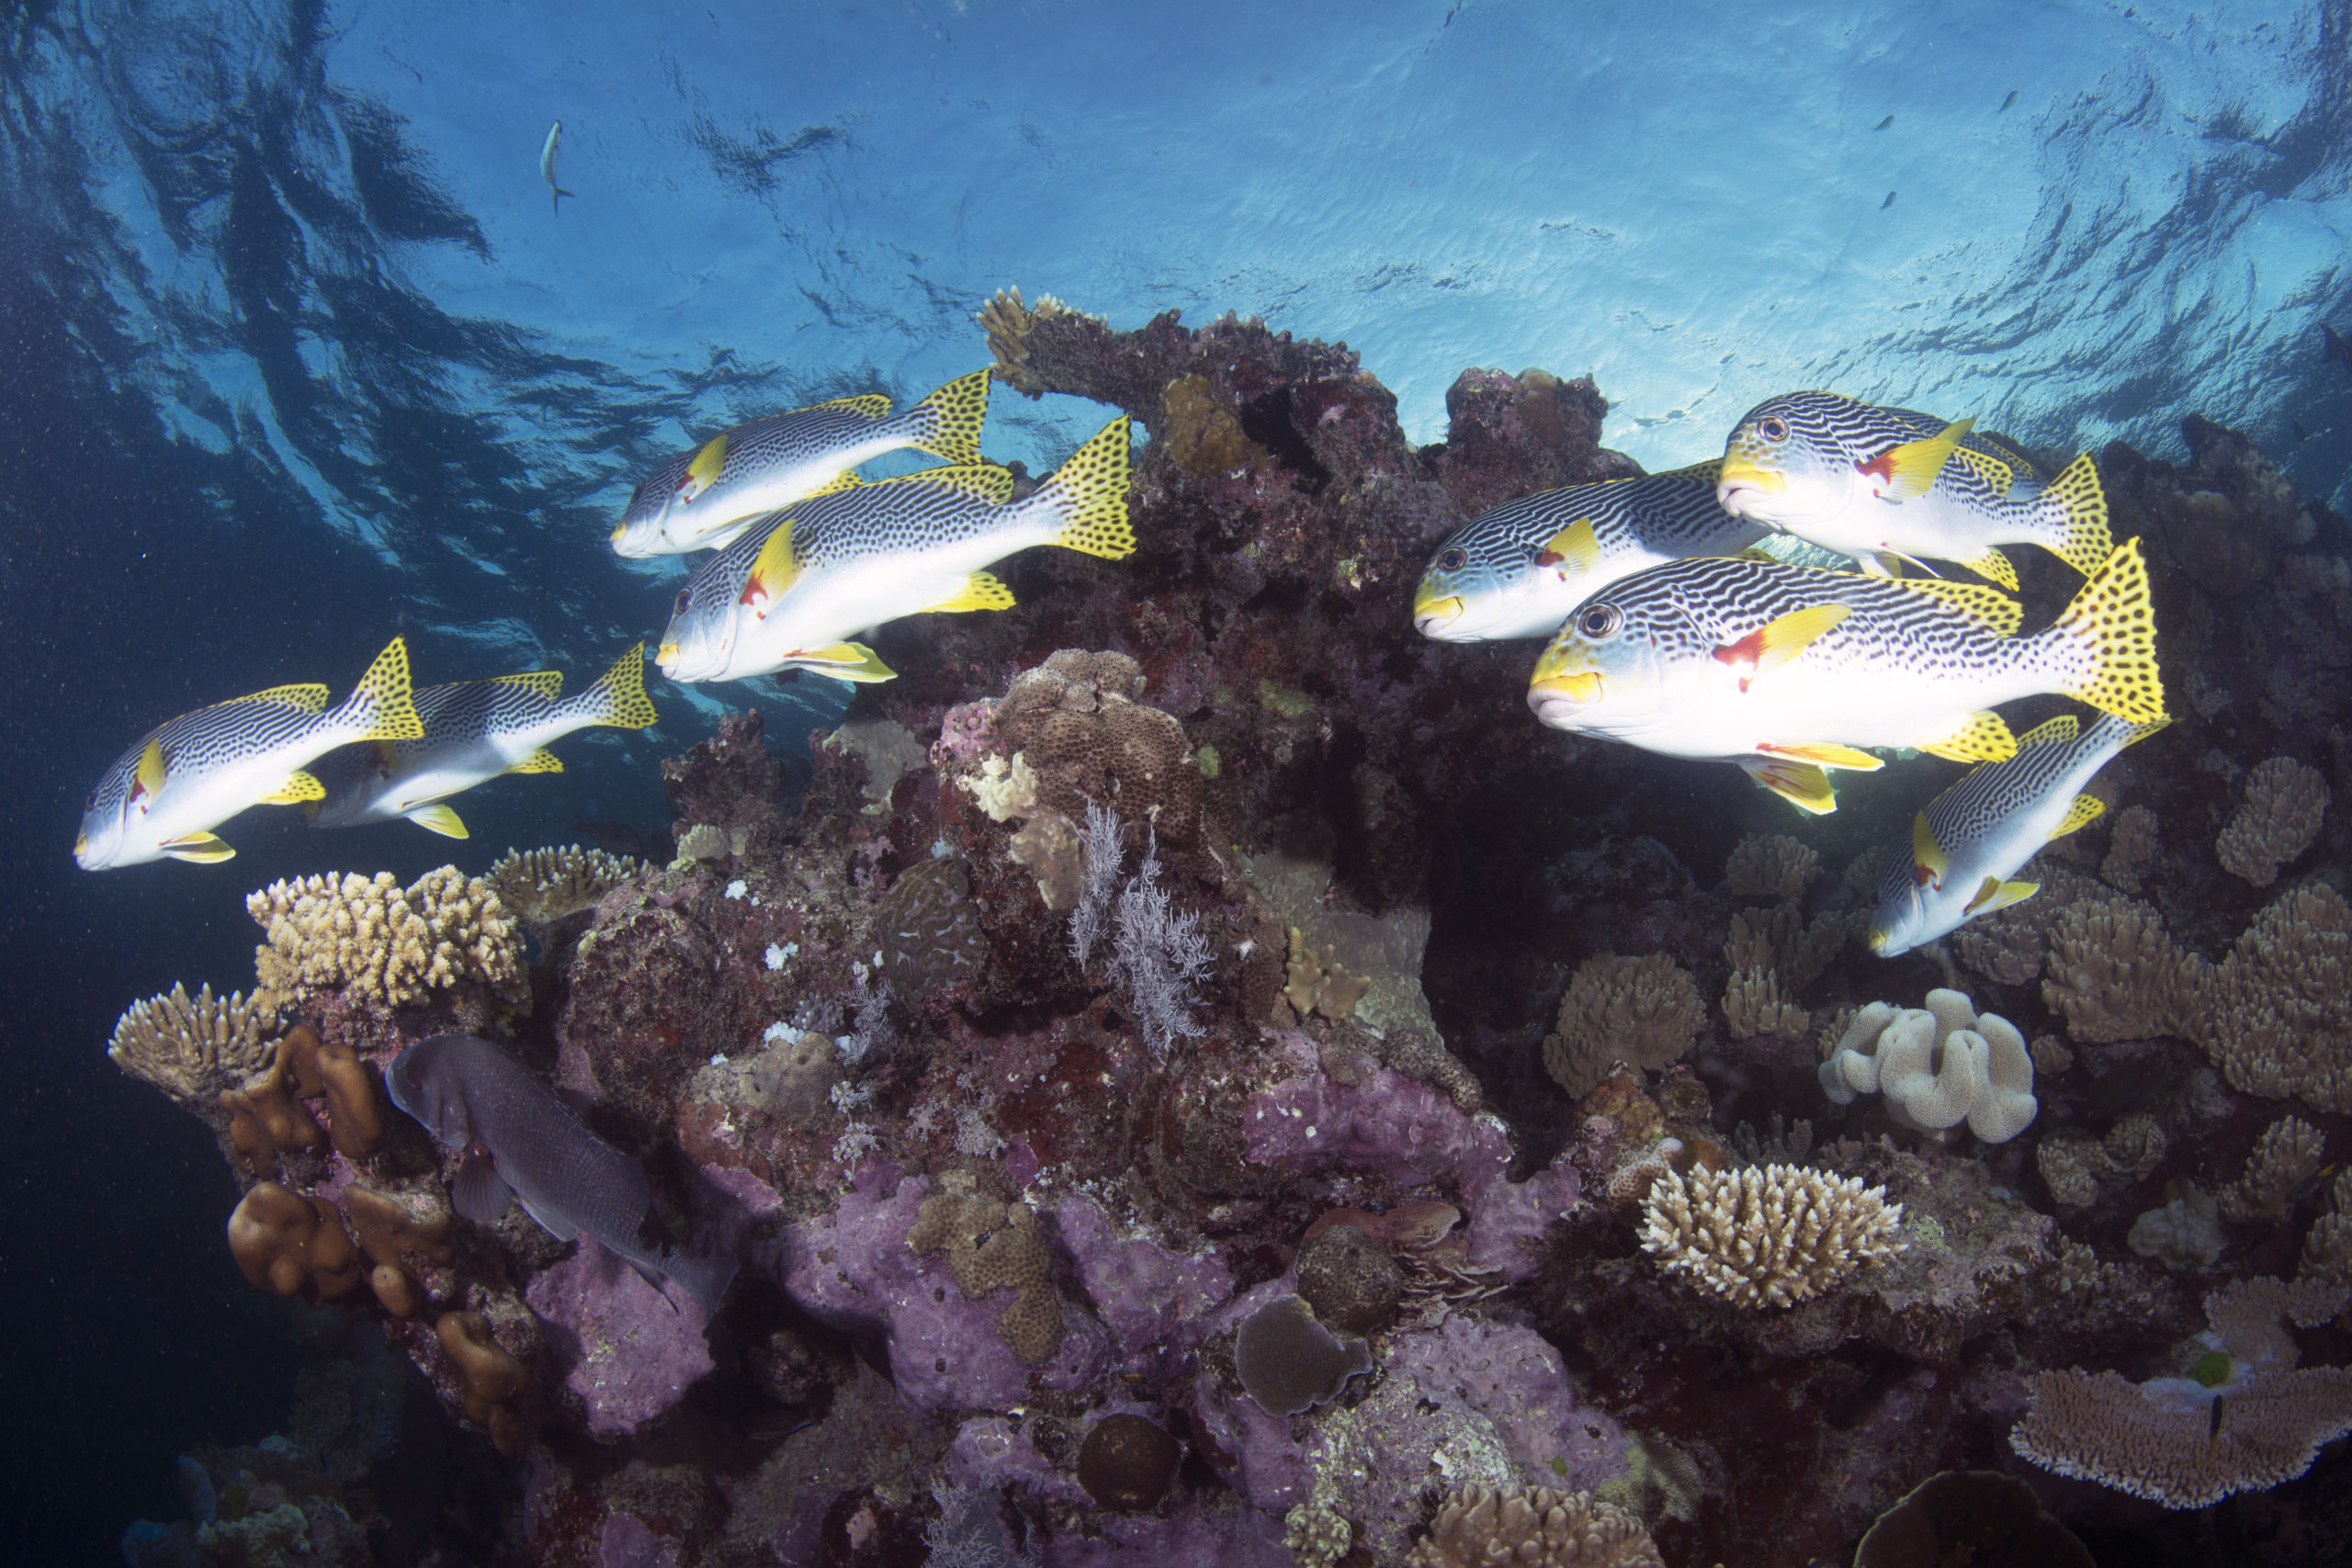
520,1143
166,795
1887,484
1518,569
1789,669
547,166
792,594
474,730
704,499
1969,842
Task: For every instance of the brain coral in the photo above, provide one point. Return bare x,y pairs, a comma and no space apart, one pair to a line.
930,930
382,945
1769,1236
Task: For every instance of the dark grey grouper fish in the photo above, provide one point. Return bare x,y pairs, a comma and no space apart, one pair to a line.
520,1142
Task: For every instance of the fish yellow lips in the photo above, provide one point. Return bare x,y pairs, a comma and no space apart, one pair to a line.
1584,688
666,655
1740,474
1433,612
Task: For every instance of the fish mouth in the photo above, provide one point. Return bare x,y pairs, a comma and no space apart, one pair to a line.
1583,690
1432,617
1741,481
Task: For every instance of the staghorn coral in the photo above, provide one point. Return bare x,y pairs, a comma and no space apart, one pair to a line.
2282,1159
2114,974
2278,820
2187,1442
1770,865
2327,1246
2279,1017
541,886
1482,1526
1770,1236
1644,1011
1937,1066
990,1244
385,946
189,1047
1781,944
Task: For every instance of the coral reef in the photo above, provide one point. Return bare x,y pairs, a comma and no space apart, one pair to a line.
1772,1235
1937,1066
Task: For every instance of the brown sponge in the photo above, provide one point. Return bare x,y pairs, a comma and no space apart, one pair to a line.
385,1229
285,1241
355,1099
493,1381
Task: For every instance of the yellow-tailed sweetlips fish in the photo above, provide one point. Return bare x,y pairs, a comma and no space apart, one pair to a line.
705,499
856,558
1789,669
1518,570
1880,484
167,793
1970,842
474,730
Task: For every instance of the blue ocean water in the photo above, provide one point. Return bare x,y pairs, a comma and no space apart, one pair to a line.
296,353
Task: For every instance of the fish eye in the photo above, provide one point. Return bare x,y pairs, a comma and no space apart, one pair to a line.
1452,560
685,597
1599,621
1772,427
91,804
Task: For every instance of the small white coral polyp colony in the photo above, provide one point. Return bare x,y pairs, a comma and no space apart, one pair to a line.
1936,1066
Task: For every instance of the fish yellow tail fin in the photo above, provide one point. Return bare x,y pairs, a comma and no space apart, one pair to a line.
383,706
947,424
1090,492
2112,626
619,696
2072,509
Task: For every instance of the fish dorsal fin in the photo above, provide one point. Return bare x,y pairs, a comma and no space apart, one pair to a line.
979,592
980,482
2057,731
2088,808
1998,476
479,1194
772,570
1983,736
299,788
439,819
1997,895
1984,606
1928,863
866,405
152,770
204,849
1707,473
1825,754
1800,784
1995,565
306,698
539,761
1910,470
2142,731
548,684
1575,547
701,470
1779,640
851,662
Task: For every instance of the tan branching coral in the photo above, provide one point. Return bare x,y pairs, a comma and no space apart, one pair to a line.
384,946
1077,734
2090,1297
2278,820
2114,974
2282,1159
386,1228
1753,1006
2074,1168
2131,846
2279,1017
2327,1246
493,1382
191,1048
2190,1442
1316,982
1770,865
1644,1012
991,1244
1009,322
1479,1527
1779,941
1769,1236
541,886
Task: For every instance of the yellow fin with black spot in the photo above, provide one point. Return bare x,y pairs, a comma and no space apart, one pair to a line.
2070,517
1985,606
980,591
548,684
309,698
299,788
2086,809
1090,490
204,849
539,761
1800,784
1995,565
2058,731
1575,545
947,424
1997,895
439,819
2112,624
1984,737
851,662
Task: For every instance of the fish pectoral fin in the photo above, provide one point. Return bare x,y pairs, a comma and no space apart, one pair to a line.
478,1192
1999,895
771,572
299,788
1995,565
851,662
2086,809
1802,784
1984,737
703,471
1910,470
204,849
438,820
539,761
979,592
152,770
552,1221
1575,547
1927,855
1827,754
1779,640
